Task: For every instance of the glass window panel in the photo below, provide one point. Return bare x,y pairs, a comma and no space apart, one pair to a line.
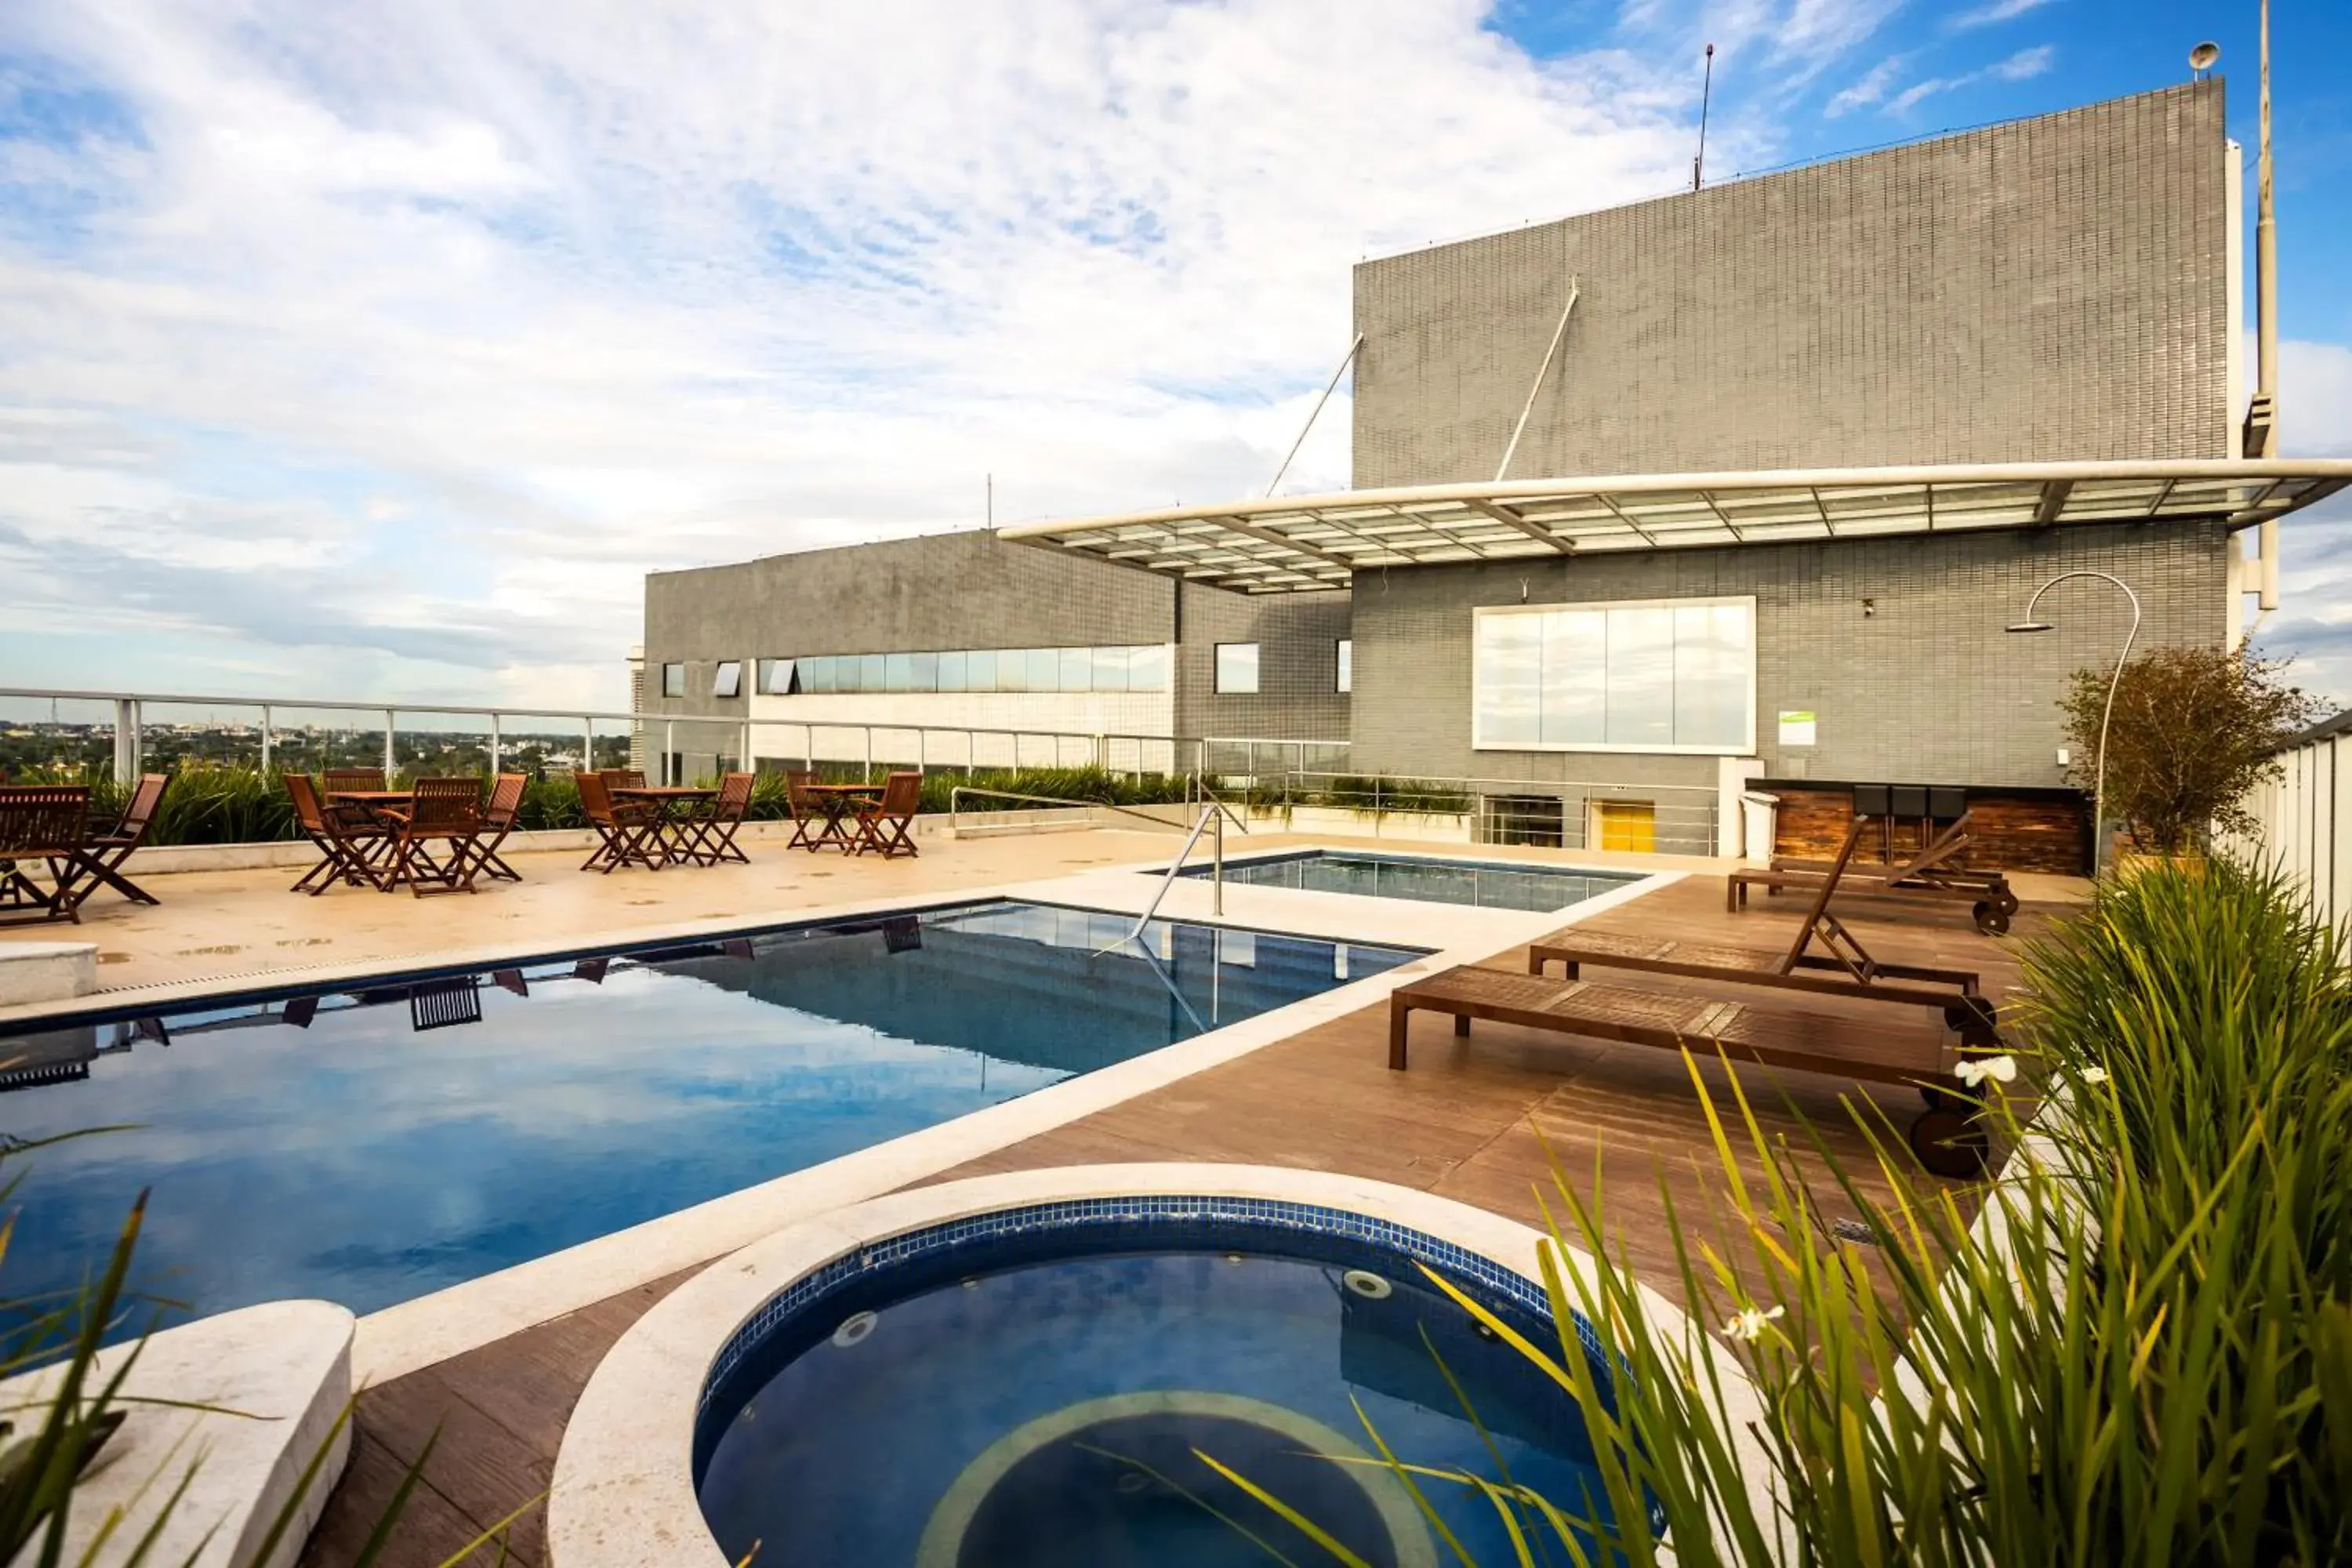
955,669
816,674
1077,669
898,672
1642,677
1508,679
727,680
1346,679
673,680
1575,678
1110,669
1011,669
926,677
1236,668
980,671
1147,669
1045,669
776,677
1711,675
872,672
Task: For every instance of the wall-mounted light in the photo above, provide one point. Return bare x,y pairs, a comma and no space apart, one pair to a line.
1869,608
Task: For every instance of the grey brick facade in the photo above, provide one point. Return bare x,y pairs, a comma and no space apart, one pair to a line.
2051,288
1927,686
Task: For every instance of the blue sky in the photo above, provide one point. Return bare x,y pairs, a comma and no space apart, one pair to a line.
368,351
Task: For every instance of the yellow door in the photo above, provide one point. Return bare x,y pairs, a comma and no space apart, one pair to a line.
1625,824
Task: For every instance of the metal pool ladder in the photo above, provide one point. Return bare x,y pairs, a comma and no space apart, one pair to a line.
1214,810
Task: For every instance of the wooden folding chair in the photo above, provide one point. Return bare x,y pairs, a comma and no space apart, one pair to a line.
335,781
709,834
103,851
442,811
625,829
623,778
498,821
883,827
41,821
807,814
343,853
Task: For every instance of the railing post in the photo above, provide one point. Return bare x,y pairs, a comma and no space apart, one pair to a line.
587,744
808,738
1217,868
495,750
265,740
743,763
390,754
126,739
868,776
669,749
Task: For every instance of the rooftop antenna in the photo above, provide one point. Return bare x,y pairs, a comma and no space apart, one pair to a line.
1706,91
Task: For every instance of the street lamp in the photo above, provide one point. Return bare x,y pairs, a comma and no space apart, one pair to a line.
2099,775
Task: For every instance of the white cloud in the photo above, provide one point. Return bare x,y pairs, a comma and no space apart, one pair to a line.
393,344
2313,621
1996,12
1868,88
2020,66
2025,65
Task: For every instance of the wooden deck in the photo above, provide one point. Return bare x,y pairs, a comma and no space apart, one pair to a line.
1472,1120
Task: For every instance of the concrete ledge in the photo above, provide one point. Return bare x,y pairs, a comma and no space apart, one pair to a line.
276,1378
46,971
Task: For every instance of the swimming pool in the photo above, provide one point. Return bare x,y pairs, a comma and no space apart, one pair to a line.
1034,1386
374,1142
1488,884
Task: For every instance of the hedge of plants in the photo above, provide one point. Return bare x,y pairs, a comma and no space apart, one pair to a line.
2142,1355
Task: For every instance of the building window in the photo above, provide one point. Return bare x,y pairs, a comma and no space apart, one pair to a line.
728,680
1650,676
673,680
1237,669
1138,669
1346,679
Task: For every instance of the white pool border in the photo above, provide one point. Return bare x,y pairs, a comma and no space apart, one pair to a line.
623,1492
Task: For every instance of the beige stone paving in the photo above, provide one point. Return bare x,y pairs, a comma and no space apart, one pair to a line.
217,925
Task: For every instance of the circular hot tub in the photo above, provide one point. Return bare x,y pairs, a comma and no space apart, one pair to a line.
1099,1366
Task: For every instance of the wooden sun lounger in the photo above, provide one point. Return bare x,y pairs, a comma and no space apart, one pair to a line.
1941,1135
1926,876
1953,992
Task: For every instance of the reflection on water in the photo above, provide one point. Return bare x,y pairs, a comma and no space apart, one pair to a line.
370,1144
1478,883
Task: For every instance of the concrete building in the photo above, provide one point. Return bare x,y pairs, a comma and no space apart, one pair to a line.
826,652
1824,432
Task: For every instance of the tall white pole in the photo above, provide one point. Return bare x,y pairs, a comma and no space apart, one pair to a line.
2266,309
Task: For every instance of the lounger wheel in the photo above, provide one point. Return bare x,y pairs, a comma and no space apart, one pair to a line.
1991,918
1948,1142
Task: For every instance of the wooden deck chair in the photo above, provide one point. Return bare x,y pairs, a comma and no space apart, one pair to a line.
1943,1135
99,863
808,816
46,823
441,811
334,780
439,1003
624,829
343,855
623,778
498,821
883,827
710,831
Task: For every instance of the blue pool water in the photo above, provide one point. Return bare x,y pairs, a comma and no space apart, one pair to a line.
1039,1402
1488,884
370,1144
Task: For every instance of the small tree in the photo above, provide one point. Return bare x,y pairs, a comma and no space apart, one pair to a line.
2194,730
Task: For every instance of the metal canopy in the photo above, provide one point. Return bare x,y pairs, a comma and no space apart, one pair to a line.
1293,544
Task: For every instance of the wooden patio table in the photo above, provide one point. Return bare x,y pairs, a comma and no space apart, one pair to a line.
840,802
374,803
669,800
